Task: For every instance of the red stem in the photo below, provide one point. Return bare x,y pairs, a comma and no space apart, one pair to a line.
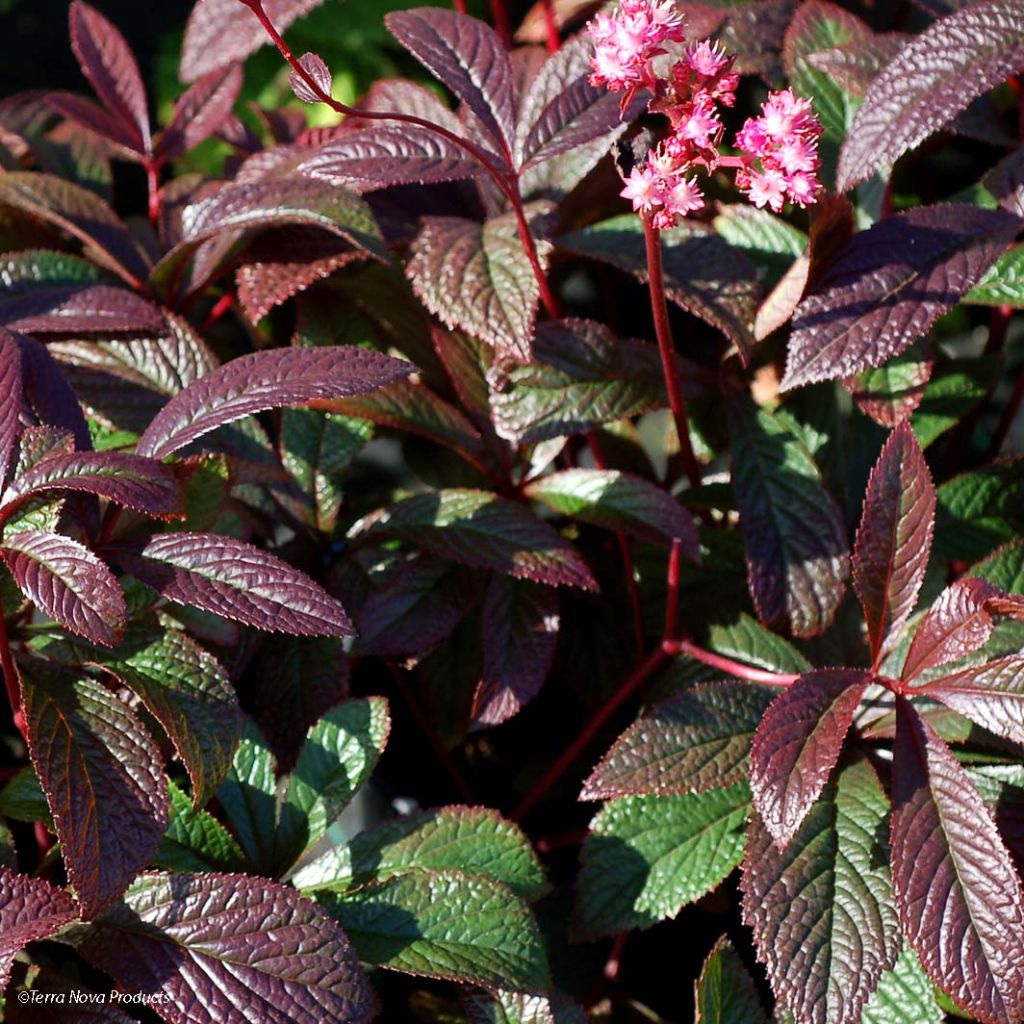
666,346
554,39
733,668
156,198
460,6
508,183
501,22
675,560
639,676
222,305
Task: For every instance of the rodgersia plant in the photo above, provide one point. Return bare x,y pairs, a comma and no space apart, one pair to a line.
542,542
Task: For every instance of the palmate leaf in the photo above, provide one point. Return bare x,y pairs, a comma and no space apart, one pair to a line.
691,743
646,857
30,909
66,581
477,277
618,501
445,924
725,993
265,380
793,531
933,78
960,900
228,577
479,529
798,744
103,780
894,538
158,942
826,950
889,284
468,57
519,632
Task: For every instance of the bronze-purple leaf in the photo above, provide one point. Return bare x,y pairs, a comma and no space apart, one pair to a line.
318,71
103,779
932,79
991,695
265,380
200,111
214,948
228,577
30,909
12,400
64,579
79,310
109,64
798,743
894,539
468,57
889,284
958,893
48,393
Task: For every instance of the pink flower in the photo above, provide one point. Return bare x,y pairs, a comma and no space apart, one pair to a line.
642,189
767,189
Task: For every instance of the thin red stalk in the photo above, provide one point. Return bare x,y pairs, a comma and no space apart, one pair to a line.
155,193
460,6
11,678
636,679
222,305
666,346
554,40
508,183
733,668
675,560
501,23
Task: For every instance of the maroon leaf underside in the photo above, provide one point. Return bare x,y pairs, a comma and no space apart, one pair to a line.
959,896
103,779
30,909
894,537
798,744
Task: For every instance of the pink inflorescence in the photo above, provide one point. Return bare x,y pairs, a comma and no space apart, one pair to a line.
641,46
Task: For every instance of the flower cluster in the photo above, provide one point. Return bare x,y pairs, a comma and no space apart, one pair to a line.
784,139
641,46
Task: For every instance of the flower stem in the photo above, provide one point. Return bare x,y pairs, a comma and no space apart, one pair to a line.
733,668
501,22
460,6
666,346
554,39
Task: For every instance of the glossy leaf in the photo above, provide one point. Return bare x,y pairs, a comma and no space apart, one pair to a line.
793,530
477,277
691,743
519,633
889,284
991,695
725,993
798,743
103,780
934,77
200,111
891,392
894,537
158,942
407,923
265,380
228,577
980,509
12,400
64,579
826,950
646,857
195,840
318,71
479,529
960,900
903,993
30,909
618,501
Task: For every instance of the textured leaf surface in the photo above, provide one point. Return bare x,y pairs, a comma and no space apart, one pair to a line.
691,743
200,941
200,111
471,840
826,947
90,309
12,400
228,577
618,501
746,640
581,375
980,509
646,857
724,992
703,274
265,380
68,582
519,633
991,695
798,744
895,536
30,909
195,840
933,78
479,529
469,58
889,284
959,895
891,392
477,277
445,925
793,530
904,993
1003,283
103,780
